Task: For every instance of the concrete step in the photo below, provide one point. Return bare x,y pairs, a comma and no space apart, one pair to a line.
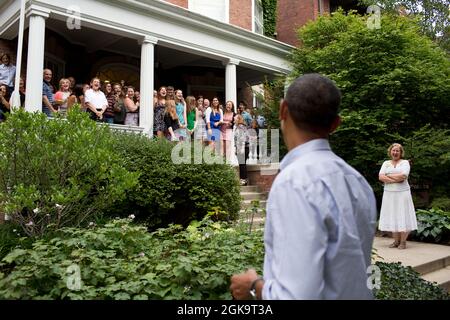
247,216
432,265
422,257
248,203
431,261
256,220
441,277
250,189
253,196
259,211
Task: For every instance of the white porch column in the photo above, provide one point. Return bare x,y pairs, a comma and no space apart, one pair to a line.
230,82
231,95
147,84
35,60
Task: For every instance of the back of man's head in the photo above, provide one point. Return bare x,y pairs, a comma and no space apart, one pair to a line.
313,102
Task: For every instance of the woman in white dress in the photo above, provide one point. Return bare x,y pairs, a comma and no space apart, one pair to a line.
397,209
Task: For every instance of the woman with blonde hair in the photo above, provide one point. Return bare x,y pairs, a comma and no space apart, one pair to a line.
171,121
227,129
200,130
397,209
64,98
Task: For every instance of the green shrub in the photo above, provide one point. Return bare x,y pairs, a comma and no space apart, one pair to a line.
173,193
403,283
442,203
10,238
57,173
432,225
124,261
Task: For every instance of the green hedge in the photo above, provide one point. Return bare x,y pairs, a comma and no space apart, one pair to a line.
169,192
57,173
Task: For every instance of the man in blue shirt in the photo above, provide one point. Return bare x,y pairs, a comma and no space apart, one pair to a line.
47,94
321,213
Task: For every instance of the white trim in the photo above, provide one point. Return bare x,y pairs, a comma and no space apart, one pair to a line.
38,11
253,15
227,11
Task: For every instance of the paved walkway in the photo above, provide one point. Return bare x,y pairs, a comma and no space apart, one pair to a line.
432,261
415,254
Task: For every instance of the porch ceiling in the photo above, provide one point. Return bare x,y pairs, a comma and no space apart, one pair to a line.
166,57
172,26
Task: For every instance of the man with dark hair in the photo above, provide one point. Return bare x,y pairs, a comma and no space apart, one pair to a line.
321,213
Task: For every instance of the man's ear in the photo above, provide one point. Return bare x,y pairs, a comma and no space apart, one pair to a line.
283,110
335,124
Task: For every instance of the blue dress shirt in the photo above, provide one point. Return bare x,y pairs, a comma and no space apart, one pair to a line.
321,217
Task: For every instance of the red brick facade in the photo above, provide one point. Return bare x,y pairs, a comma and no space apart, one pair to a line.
293,14
181,3
263,181
241,13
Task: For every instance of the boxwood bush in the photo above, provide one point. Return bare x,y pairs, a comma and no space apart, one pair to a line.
57,173
173,193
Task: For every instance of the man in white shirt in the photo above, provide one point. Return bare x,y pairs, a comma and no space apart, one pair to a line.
95,100
7,72
321,213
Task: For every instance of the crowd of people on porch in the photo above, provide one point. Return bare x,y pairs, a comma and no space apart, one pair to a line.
227,130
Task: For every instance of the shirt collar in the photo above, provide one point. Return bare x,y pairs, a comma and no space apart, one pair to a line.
301,150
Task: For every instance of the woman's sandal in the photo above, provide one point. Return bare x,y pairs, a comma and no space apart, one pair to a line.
395,244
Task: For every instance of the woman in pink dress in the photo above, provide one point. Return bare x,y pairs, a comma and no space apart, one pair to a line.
227,130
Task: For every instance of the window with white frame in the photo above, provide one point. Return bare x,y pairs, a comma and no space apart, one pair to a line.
57,65
214,9
258,17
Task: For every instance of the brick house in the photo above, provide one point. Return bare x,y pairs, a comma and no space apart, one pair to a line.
209,47
212,47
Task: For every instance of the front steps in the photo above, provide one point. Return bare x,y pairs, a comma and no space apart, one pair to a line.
253,206
431,261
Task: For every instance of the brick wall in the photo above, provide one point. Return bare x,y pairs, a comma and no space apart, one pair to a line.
241,13
262,176
294,14
181,3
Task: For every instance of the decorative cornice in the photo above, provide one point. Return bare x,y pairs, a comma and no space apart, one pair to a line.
232,61
38,11
148,39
